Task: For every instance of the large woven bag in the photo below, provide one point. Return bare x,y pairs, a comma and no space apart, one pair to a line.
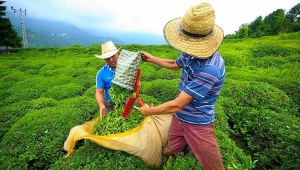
126,70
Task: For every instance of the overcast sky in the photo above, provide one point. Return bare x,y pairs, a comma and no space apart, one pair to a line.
145,15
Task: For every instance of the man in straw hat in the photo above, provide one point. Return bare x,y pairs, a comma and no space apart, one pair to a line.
104,77
203,74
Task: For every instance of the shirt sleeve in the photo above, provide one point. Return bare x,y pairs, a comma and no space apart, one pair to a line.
203,81
179,60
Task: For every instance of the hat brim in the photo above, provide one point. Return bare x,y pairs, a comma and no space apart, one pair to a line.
108,54
201,47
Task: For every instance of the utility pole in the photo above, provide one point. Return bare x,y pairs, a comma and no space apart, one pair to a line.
25,44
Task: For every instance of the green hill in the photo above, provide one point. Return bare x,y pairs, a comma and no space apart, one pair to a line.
47,91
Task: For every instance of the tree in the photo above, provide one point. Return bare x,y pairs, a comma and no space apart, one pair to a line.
294,13
293,17
256,28
242,32
274,22
9,36
230,36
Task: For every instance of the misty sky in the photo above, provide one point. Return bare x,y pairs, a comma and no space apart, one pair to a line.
145,16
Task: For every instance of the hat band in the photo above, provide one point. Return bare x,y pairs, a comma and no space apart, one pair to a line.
109,51
192,34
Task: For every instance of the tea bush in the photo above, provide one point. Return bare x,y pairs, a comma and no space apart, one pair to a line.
86,81
233,157
261,115
133,47
269,61
285,78
90,92
3,95
52,69
168,74
150,100
235,54
162,90
269,50
148,72
221,119
36,140
11,77
64,91
41,103
10,114
28,89
34,87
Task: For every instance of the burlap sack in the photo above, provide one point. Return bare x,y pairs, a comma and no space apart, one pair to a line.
145,141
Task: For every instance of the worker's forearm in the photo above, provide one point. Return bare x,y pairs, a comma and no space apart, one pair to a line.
165,108
166,63
99,99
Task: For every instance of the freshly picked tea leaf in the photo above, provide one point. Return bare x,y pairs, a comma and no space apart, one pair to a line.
113,122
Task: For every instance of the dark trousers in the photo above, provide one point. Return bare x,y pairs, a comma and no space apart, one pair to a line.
108,107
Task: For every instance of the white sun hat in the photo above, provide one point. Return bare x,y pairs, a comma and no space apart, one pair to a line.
108,49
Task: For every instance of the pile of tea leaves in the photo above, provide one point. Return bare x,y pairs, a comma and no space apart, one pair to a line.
113,122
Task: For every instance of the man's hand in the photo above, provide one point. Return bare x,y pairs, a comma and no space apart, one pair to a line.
145,110
146,56
102,111
99,94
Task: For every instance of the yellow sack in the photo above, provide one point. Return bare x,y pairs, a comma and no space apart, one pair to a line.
144,141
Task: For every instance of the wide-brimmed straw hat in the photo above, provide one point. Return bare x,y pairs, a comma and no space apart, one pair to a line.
108,49
195,33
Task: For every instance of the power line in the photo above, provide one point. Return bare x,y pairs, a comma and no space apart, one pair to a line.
25,44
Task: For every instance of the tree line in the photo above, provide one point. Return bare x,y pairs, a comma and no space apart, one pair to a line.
9,36
275,23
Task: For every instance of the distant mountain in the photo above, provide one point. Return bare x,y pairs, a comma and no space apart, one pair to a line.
44,33
49,33
131,37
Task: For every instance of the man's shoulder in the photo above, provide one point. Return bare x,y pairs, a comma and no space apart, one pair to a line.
215,60
102,70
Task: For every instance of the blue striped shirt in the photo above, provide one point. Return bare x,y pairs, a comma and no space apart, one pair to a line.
202,79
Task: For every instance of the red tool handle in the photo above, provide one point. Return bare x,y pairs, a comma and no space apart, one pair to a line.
128,107
130,103
137,88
